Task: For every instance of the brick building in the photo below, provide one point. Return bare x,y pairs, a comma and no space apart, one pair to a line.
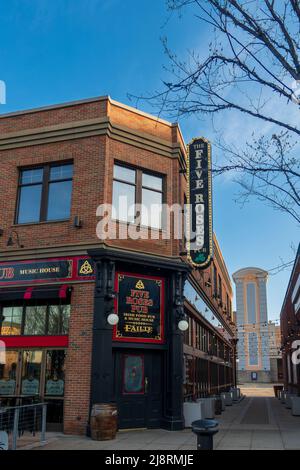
59,282
290,329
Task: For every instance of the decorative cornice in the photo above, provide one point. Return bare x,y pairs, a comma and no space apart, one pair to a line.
90,128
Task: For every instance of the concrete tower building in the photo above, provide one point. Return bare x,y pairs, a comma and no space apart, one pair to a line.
252,325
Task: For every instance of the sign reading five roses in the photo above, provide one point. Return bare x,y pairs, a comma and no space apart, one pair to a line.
199,198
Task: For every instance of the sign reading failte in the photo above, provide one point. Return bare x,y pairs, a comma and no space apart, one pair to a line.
140,307
200,244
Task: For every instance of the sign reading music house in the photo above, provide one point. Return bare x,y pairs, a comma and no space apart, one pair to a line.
199,198
140,307
39,271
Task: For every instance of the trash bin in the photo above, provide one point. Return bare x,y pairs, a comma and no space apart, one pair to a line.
218,405
192,411
228,398
277,389
295,406
205,429
209,407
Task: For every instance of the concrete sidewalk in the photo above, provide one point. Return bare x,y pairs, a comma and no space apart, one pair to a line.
257,423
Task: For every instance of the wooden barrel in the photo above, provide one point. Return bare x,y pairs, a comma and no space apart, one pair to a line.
104,421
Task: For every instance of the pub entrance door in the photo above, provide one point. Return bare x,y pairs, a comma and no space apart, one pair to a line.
138,388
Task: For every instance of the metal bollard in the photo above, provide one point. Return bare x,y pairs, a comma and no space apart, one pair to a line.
205,429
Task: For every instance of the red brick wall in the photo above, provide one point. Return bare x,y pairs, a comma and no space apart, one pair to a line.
79,358
93,173
88,156
52,117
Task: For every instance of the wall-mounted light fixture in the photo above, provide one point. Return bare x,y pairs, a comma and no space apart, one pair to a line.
14,238
113,319
77,223
183,325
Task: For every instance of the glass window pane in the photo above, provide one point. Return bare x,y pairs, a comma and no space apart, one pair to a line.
123,202
151,209
8,373
66,311
55,373
124,174
31,372
35,320
153,182
61,172
58,322
32,176
59,202
11,321
30,204
133,381
54,322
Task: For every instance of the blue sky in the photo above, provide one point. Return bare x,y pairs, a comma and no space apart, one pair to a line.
61,50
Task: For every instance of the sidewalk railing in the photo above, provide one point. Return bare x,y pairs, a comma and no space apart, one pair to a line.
24,422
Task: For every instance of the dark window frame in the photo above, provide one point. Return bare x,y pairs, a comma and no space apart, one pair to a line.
45,183
138,184
24,305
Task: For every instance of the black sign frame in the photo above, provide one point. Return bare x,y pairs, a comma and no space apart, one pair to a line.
199,175
157,310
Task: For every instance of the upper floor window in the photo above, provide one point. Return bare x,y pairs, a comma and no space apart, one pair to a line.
45,193
220,288
215,281
134,189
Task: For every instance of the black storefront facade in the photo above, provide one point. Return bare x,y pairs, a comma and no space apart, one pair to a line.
145,373
140,371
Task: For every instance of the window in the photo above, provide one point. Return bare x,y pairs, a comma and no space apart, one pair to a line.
31,320
11,321
133,187
31,372
124,194
152,199
8,373
35,320
133,374
220,288
45,194
251,302
215,281
253,349
55,373
228,305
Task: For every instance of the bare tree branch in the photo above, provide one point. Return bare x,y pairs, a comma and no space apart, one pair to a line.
252,67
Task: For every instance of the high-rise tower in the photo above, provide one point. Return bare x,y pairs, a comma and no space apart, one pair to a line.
252,325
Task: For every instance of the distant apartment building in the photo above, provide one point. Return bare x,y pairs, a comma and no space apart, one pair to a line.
252,325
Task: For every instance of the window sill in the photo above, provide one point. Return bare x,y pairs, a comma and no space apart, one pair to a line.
137,226
41,223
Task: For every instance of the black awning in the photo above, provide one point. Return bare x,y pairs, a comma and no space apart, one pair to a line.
60,291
